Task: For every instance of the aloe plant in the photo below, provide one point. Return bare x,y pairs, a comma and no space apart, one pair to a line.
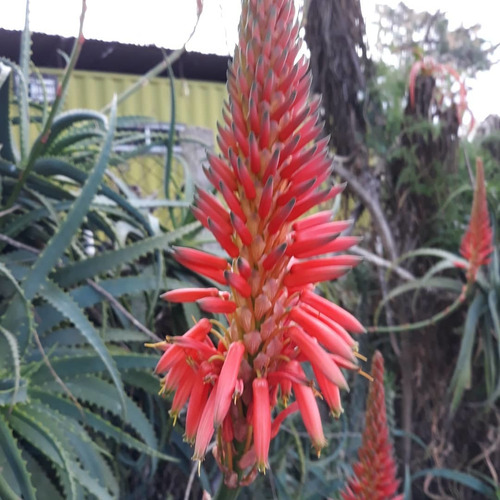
81,266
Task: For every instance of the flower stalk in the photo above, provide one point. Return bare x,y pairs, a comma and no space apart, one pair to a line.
273,168
375,473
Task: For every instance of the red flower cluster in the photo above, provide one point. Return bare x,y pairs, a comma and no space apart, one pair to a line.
375,473
477,243
272,170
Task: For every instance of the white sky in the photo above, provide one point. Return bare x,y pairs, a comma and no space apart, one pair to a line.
168,23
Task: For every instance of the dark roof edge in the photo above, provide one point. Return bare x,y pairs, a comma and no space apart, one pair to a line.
113,57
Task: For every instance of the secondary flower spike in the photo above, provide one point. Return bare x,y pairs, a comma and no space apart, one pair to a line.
273,168
477,243
375,473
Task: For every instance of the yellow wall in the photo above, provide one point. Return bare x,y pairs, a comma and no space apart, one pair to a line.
197,103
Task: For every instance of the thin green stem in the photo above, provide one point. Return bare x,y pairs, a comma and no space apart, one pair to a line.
426,322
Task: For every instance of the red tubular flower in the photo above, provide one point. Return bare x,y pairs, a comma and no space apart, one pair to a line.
375,473
477,243
261,422
272,169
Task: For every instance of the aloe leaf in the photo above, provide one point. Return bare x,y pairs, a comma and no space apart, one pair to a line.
65,120
72,337
16,361
99,424
433,252
459,477
87,296
72,366
494,308
26,424
62,145
8,149
98,392
56,166
41,479
18,318
79,271
440,283
461,378
65,305
61,240
24,63
81,449
9,448
143,380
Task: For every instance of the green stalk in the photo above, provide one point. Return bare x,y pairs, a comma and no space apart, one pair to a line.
226,493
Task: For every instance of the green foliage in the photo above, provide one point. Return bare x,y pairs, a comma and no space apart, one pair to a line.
80,269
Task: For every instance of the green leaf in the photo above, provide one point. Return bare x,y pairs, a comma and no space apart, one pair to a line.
65,304
444,283
433,252
55,166
68,119
19,316
24,63
9,448
461,378
8,149
459,477
42,437
98,392
61,240
16,362
98,423
84,269
40,478
13,391
76,365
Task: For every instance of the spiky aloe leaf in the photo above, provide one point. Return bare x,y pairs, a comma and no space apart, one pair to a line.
56,166
64,121
461,378
8,149
66,306
84,269
86,296
95,391
88,466
40,478
18,317
61,145
42,437
15,362
467,480
24,64
453,285
12,453
91,363
98,423
61,240
72,337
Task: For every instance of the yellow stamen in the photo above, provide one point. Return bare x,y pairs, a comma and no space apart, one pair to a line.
360,356
216,356
218,335
155,345
220,325
366,375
